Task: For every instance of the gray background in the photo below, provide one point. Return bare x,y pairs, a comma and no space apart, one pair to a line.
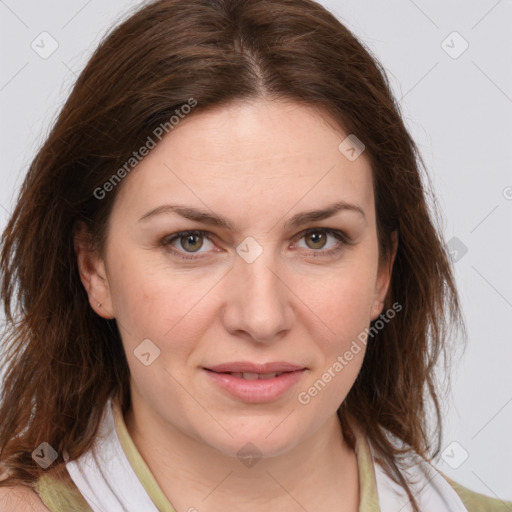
458,106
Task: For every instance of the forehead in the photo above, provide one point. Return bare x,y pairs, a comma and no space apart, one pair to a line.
250,158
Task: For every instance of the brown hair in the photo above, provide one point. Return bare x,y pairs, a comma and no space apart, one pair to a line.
63,361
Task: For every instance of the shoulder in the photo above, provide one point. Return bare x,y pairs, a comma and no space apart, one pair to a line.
20,498
53,491
476,502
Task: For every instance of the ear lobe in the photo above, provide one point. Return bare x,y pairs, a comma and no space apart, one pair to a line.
384,279
92,272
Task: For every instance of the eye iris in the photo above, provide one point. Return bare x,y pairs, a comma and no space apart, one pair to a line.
316,237
190,239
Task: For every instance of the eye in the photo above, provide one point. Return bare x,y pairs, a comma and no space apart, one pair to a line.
188,242
316,240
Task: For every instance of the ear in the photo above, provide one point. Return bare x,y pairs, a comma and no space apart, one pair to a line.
92,272
384,278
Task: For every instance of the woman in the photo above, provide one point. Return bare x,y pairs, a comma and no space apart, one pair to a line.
224,286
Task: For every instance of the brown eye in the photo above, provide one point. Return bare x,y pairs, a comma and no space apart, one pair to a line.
323,241
316,239
190,243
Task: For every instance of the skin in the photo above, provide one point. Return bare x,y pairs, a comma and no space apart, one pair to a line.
20,499
256,163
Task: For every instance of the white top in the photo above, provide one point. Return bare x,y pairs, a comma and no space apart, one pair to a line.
105,477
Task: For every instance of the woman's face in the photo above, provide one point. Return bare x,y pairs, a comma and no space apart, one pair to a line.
252,290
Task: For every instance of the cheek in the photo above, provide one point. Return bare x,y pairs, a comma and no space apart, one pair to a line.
153,301
342,300
344,309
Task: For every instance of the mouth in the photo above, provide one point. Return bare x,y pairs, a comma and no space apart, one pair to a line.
248,367
255,383
251,376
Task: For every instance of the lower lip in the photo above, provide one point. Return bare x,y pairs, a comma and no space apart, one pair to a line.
256,391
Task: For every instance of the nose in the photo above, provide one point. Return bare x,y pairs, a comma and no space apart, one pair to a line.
259,304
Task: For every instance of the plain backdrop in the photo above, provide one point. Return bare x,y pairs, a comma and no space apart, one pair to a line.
450,65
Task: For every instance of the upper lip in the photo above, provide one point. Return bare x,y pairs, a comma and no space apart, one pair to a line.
248,367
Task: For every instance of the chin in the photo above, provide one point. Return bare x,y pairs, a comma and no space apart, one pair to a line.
254,439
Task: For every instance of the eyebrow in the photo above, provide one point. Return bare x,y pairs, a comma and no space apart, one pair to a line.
213,219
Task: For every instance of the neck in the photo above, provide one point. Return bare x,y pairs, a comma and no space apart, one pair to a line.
318,474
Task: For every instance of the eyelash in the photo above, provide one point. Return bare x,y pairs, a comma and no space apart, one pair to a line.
339,235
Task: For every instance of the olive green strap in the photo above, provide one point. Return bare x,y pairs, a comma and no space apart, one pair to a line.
476,502
368,497
138,464
59,493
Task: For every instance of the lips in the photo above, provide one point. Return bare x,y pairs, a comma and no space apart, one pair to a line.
256,383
